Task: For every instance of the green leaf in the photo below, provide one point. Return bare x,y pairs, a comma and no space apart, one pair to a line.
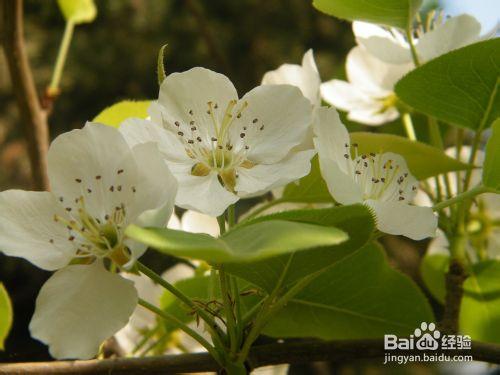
480,310
355,220
460,87
196,288
5,315
310,189
424,161
491,166
358,297
160,68
119,112
243,244
397,13
433,269
78,11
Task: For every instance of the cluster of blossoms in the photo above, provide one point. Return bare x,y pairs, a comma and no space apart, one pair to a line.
203,148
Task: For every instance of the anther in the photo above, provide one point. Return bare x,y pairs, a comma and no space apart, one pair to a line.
191,112
98,177
242,135
111,188
214,139
120,171
255,120
79,180
180,133
177,123
190,141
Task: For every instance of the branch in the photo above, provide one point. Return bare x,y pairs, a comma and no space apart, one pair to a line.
34,119
273,354
454,292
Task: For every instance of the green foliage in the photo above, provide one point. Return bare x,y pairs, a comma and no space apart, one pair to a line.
432,270
480,311
460,87
424,161
5,315
355,220
160,68
358,297
243,244
78,11
117,113
397,13
491,166
310,189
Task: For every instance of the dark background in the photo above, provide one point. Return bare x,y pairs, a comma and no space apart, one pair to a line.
114,58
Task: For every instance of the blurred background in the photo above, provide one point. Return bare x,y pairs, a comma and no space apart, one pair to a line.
114,58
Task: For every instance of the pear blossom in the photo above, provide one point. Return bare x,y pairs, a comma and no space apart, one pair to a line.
221,148
143,320
368,96
434,38
99,186
380,181
483,226
305,77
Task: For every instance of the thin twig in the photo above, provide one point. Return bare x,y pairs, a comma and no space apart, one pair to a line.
290,352
34,119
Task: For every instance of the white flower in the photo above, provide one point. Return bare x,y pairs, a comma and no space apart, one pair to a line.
369,95
380,181
143,320
305,77
483,226
99,186
221,148
434,39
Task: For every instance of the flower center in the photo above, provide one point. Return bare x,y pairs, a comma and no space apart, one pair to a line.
221,141
379,178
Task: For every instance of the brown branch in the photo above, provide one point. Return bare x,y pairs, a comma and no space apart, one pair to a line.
291,352
454,292
34,119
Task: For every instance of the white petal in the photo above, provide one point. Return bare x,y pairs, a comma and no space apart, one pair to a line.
340,184
331,135
265,177
137,131
204,194
285,115
399,218
381,43
305,77
174,222
439,244
372,75
89,160
373,115
345,95
188,91
79,307
196,222
27,229
456,32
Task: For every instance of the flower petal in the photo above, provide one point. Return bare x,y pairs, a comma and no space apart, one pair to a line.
340,185
331,135
373,115
79,307
204,194
372,75
196,222
345,95
381,44
284,116
85,162
184,97
305,77
456,32
264,177
28,230
399,218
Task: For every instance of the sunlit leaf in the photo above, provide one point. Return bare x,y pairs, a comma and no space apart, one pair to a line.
5,315
78,11
460,87
491,166
397,13
160,68
117,113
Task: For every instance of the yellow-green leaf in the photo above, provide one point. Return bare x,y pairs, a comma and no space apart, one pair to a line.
5,315
78,11
119,112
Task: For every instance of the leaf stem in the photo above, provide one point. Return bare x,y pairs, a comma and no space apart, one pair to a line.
173,320
480,189
409,36
228,309
53,88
